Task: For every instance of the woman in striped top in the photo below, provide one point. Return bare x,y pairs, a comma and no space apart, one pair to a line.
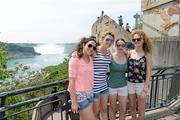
101,61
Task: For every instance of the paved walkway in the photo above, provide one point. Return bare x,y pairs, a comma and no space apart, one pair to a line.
171,112
57,116
171,117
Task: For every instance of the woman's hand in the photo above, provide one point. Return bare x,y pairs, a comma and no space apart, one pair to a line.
74,107
74,54
143,94
126,52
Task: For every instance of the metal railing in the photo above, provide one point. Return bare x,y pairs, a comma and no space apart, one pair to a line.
165,87
5,107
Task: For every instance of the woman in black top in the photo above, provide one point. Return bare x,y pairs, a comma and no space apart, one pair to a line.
139,73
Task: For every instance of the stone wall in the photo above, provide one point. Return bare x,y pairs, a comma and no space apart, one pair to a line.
166,53
161,21
161,17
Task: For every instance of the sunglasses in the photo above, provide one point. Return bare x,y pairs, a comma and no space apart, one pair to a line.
122,45
108,39
136,39
91,46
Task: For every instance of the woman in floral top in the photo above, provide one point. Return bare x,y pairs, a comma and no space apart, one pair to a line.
139,73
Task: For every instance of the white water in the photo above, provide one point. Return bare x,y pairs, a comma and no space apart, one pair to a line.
49,48
51,54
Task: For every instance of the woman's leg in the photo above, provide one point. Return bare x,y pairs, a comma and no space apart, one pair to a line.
87,114
132,102
112,107
103,107
122,107
141,107
96,108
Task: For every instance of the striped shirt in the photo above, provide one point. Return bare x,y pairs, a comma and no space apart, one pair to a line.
101,64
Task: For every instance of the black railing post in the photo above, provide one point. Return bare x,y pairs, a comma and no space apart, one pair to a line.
52,107
155,92
28,116
67,104
40,112
151,92
162,92
3,103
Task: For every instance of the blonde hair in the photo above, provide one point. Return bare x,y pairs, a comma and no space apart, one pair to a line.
147,45
104,34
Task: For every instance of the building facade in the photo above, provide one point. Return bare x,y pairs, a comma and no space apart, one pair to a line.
161,21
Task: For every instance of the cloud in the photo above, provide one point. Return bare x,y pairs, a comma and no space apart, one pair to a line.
55,20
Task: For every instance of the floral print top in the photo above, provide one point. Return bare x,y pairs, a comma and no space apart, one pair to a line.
137,70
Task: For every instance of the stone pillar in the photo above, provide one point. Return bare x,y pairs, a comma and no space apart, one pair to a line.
136,16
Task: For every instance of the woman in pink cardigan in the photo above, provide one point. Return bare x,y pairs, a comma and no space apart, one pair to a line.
81,74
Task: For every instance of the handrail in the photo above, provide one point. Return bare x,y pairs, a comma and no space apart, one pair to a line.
160,79
28,89
2,109
24,90
168,67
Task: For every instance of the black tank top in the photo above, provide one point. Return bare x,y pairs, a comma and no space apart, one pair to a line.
137,70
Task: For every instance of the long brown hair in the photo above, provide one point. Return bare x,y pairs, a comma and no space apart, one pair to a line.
81,45
120,39
147,45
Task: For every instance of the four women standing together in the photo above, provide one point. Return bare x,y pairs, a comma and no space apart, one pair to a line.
88,84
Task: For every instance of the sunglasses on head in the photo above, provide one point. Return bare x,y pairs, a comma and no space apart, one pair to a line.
91,46
136,39
108,39
122,45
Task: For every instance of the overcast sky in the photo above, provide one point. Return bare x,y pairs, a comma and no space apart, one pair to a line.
58,21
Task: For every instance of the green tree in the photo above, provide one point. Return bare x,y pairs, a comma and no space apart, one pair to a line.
4,73
24,77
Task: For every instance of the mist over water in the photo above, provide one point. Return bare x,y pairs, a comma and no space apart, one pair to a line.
51,54
49,48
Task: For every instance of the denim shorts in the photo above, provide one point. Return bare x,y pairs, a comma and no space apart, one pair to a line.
84,99
98,95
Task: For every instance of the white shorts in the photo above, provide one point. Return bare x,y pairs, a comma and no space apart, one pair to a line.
123,91
135,88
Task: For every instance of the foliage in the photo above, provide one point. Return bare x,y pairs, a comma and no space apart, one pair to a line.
58,72
24,77
4,73
14,100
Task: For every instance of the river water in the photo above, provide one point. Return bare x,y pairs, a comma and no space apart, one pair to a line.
51,54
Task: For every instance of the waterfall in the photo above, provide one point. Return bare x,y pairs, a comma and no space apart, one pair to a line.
49,48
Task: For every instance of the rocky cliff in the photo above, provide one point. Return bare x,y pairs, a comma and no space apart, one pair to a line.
20,51
105,23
